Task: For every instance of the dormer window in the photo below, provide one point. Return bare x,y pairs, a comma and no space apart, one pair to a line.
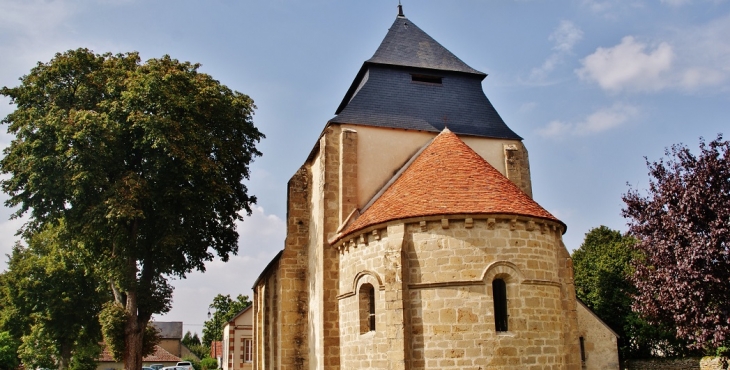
431,80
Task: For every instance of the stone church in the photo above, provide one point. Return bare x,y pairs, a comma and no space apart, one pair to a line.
413,241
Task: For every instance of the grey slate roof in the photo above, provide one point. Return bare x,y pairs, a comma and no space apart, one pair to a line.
407,45
383,93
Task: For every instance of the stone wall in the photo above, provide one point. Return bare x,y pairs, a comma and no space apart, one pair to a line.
443,279
706,363
517,166
599,341
661,364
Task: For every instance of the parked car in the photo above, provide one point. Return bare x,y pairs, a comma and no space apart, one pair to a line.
176,368
186,365
147,368
157,366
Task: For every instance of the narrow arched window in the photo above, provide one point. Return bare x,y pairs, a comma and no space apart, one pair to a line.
371,308
367,308
499,294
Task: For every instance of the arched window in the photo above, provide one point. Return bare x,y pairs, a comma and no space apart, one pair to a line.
367,308
499,294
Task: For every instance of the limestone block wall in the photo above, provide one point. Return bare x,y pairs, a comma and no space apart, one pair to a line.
452,265
446,270
599,341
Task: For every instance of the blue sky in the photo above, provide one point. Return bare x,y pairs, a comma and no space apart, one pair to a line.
592,86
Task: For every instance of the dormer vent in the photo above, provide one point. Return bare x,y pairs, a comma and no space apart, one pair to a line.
426,79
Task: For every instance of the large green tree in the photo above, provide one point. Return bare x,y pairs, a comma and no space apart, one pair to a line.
144,162
50,296
222,310
603,267
682,222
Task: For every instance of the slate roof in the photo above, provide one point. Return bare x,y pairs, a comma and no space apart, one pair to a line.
384,93
447,178
407,45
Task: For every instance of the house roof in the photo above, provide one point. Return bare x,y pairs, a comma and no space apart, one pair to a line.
160,355
407,45
446,178
387,92
233,319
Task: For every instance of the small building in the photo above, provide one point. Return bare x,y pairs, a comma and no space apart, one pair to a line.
171,333
160,356
238,342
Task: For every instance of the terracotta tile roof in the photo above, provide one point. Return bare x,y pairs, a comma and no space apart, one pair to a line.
447,177
216,349
160,355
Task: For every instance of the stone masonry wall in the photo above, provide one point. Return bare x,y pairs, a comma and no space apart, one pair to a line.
331,149
362,264
293,295
452,306
599,342
448,266
706,363
517,166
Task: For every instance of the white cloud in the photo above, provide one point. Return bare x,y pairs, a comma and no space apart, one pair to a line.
628,65
694,58
33,17
528,107
564,38
599,121
612,9
676,3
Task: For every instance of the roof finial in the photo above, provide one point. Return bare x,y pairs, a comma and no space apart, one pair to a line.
400,9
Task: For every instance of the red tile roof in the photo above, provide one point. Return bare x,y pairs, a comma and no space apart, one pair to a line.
448,177
160,355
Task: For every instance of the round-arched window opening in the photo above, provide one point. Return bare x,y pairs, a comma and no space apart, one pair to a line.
366,297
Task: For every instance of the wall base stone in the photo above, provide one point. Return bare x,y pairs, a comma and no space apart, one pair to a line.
706,363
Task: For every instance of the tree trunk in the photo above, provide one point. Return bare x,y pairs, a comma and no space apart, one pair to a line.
133,335
65,356
133,331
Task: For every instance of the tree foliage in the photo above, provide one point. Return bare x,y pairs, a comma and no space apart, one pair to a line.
208,363
683,227
603,270
50,297
8,351
222,309
190,339
144,163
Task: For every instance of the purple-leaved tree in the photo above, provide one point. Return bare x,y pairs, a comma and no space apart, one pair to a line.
683,226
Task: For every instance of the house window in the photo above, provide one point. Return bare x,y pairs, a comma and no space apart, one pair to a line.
499,294
247,350
367,308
